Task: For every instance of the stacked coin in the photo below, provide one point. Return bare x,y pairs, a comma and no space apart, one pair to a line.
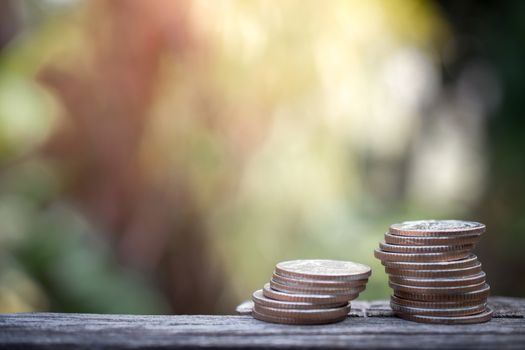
434,275
310,291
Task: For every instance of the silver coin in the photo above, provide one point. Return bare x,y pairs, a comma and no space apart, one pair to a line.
448,273
245,308
316,314
448,312
438,282
457,239
484,316
447,304
323,269
309,290
436,290
294,320
418,249
300,282
479,294
468,261
420,257
306,298
436,228
259,298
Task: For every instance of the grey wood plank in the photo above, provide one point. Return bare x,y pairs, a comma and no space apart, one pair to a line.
373,328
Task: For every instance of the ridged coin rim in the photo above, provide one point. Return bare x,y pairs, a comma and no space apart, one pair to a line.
307,298
432,240
450,312
411,249
294,321
471,319
433,265
439,282
467,271
300,272
401,229
480,294
318,283
259,298
436,304
420,257
316,314
308,290
436,290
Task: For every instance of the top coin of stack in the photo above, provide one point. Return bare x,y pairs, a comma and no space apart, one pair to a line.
434,275
310,291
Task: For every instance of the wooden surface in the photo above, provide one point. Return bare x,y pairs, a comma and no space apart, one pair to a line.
370,326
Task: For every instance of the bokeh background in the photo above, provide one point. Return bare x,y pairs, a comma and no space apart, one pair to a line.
161,156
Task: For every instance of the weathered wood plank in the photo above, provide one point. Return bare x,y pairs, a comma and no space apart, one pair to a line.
372,327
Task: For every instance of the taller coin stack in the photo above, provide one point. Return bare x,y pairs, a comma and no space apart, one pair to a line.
310,291
434,275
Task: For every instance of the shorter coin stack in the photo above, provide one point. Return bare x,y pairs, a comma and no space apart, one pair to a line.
310,291
434,275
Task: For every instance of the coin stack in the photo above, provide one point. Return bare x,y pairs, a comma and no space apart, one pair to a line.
310,291
434,275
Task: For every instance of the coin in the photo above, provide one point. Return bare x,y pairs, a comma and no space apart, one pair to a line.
309,290
395,248
458,239
477,318
259,298
318,283
418,257
317,314
437,304
436,290
478,294
294,321
459,311
472,270
434,276
439,282
436,228
468,261
245,308
323,270
306,298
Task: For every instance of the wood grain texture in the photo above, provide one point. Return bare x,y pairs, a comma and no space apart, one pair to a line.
370,326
